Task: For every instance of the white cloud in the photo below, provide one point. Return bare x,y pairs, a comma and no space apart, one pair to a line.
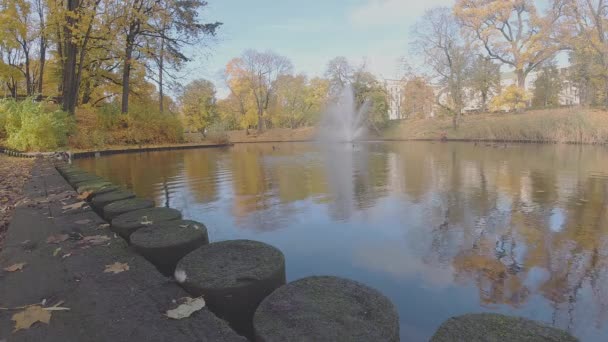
382,12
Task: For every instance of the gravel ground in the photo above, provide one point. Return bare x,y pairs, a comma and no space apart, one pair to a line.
14,172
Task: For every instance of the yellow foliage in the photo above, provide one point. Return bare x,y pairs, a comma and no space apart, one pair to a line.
512,98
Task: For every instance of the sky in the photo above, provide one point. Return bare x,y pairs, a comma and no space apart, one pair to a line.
310,33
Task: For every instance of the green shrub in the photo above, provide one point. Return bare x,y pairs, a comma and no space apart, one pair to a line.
29,127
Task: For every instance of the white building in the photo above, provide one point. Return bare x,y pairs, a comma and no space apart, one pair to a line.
394,89
568,96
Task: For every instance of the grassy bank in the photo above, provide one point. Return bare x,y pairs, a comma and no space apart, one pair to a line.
272,135
567,125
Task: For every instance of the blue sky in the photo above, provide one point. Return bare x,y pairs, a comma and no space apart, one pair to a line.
312,32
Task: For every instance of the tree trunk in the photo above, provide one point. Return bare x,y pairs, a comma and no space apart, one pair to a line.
69,66
161,61
260,121
41,62
28,75
42,58
521,79
126,75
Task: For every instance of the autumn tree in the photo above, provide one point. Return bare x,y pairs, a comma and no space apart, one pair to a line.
174,27
198,105
16,40
512,32
298,101
547,86
484,79
371,94
437,39
588,23
418,98
257,73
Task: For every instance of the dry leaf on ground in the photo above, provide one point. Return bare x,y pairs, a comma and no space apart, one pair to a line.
116,267
85,195
56,251
103,226
15,267
57,238
73,206
32,314
83,221
191,306
94,240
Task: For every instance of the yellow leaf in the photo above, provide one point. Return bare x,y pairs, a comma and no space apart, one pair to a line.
32,314
85,195
15,267
116,267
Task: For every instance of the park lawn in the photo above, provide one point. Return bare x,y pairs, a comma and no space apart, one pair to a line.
564,125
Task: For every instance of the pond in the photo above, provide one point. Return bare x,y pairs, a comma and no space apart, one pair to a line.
442,229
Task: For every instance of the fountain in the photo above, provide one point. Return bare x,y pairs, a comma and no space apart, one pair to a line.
343,121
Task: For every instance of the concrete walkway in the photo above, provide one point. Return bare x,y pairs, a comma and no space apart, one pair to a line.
127,306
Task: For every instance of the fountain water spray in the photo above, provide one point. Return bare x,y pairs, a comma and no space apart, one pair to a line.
343,121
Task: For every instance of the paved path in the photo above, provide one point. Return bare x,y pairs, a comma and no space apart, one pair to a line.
127,306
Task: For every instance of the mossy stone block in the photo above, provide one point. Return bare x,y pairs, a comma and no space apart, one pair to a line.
323,308
126,224
496,327
92,186
100,201
165,243
117,208
234,277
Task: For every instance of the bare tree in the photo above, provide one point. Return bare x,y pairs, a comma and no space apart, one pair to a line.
340,73
437,39
262,70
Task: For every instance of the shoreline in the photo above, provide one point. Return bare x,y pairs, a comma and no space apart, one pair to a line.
136,149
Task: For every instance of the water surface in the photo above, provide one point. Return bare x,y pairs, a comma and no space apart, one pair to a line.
441,229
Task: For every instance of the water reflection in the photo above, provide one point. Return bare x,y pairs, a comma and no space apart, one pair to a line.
442,228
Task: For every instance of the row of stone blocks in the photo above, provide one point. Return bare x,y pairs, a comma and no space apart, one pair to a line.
13,153
244,281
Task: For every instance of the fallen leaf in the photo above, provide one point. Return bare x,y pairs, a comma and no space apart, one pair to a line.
116,267
56,251
57,238
103,226
191,306
32,314
15,267
85,195
82,221
95,240
145,221
73,206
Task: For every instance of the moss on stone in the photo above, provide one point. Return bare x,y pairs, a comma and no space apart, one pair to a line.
127,223
92,185
165,243
323,308
117,208
495,327
102,200
233,276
